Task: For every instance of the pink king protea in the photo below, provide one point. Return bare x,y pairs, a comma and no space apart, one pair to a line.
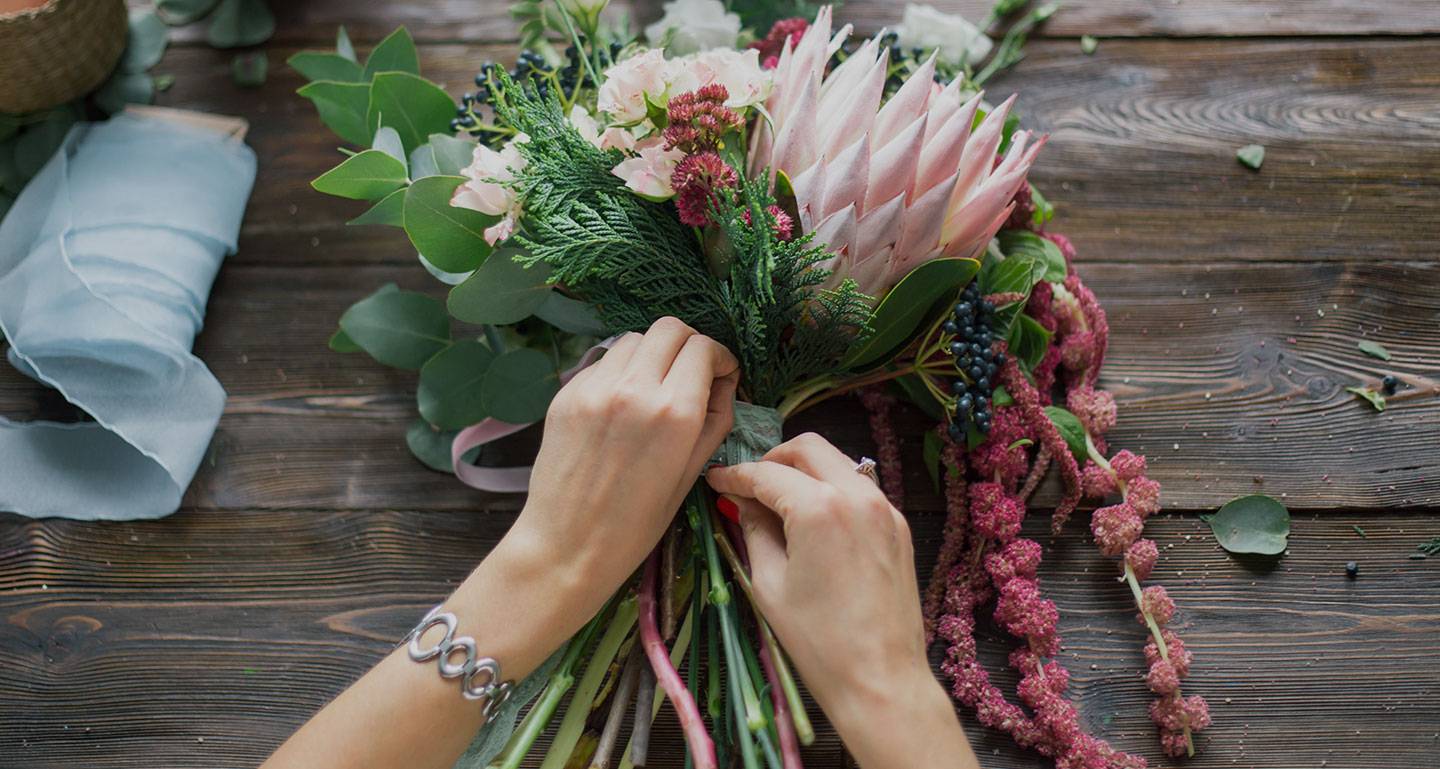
885,187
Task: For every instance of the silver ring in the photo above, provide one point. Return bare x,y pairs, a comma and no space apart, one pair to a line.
866,466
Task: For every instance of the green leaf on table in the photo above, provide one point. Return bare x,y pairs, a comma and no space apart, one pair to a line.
1024,242
431,445
930,453
1370,396
388,141
450,385
343,46
343,108
1374,350
519,386
398,328
145,46
1071,430
368,175
442,155
249,69
412,105
908,305
178,13
341,342
1251,524
1252,155
502,291
449,237
319,65
162,82
238,23
1088,44
570,315
1028,341
395,53
390,210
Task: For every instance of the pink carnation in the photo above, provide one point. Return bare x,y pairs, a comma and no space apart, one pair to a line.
1127,466
1141,556
1096,481
1162,678
1144,495
1115,527
1157,603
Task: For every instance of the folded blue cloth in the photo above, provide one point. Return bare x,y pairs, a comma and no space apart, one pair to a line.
106,262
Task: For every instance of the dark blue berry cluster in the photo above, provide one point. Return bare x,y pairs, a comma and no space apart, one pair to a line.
971,341
530,68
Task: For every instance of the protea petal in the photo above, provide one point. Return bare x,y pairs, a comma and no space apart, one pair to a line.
924,219
880,226
972,246
893,167
809,188
978,158
795,148
872,274
942,151
943,105
847,177
837,232
855,115
905,107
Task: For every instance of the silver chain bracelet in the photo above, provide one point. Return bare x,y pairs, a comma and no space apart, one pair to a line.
492,690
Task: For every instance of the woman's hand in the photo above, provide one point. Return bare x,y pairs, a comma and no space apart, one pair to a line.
834,573
624,442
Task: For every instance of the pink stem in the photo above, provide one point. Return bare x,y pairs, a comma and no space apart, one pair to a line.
784,724
701,747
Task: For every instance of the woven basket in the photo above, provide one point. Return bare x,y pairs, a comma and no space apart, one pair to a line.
59,51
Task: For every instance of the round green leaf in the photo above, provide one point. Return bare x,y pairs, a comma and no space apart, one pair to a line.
519,386
906,306
1252,524
342,107
341,342
390,210
238,23
571,315
319,65
451,238
1071,430
450,385
412,105
431,445
146,44
369,175
399,328
395,53
502,291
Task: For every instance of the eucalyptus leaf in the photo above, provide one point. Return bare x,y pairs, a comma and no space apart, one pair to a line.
343,108
422,161
1370,396
448,278
249,69
449,394
343,46
412,105
1251,155
519,386
124,88
390,210
395,53
238,23
451,238
570,315
368,175
178,13
145,46
502,291
1374,350
1252,524
398,328
1001,397
341,342
431,445
1071,430
902,311
319,65
448,153
388,142
930,453
1043,249
162,82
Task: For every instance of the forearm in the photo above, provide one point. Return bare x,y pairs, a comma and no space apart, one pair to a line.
518,609
903,725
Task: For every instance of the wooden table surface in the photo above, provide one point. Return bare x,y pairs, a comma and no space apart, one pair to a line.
311,540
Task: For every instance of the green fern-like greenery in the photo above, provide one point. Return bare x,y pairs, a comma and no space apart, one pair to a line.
636,262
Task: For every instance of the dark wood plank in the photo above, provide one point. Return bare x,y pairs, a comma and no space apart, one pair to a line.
448,20
206,638
1227,377
1140,160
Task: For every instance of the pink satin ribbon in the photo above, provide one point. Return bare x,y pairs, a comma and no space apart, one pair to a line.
508,480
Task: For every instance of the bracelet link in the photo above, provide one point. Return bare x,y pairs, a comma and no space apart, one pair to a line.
494,691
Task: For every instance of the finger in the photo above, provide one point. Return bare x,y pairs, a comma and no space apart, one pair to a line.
719,418
700,361
618,356
765,539
781,488
657,351
819,459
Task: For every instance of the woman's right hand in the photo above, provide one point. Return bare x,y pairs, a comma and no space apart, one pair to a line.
833,569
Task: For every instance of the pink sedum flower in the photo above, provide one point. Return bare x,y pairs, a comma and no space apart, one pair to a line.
1141,556
1158,604
648,173
1115,527
1096,481
484,190
1144,495
1175,649
1162,678
1128,466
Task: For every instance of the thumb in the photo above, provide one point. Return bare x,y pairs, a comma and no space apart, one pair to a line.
765,539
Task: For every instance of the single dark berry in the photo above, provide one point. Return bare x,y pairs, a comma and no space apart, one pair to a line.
982,401
983,426
990,369
455,124
958,348
977,349
983,383
969,332
964,310
958,387
1389,383
1000,358
963,404
467,121
956,432
975,371
950,327
1352,570
987,307
463,110
985,338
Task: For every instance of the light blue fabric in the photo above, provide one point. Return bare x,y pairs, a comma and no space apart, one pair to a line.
106,262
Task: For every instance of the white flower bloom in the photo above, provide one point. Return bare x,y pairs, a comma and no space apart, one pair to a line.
648,173
739,71
483,191
627,83
957,40
698,25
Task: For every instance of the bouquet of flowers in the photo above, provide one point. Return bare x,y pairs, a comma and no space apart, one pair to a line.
844,216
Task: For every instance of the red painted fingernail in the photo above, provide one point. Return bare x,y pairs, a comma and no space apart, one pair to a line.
728,509
712,467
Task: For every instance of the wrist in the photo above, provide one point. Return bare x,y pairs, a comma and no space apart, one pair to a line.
900,721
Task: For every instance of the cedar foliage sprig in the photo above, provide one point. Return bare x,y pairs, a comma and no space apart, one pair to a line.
636,262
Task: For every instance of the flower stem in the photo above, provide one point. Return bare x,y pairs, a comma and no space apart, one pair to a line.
690,722
573,724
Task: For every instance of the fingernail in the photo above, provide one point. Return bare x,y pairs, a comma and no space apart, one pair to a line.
728,509
712,467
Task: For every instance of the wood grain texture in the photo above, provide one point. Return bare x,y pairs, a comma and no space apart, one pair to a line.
1228,378
489,20
1140,161
206,638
